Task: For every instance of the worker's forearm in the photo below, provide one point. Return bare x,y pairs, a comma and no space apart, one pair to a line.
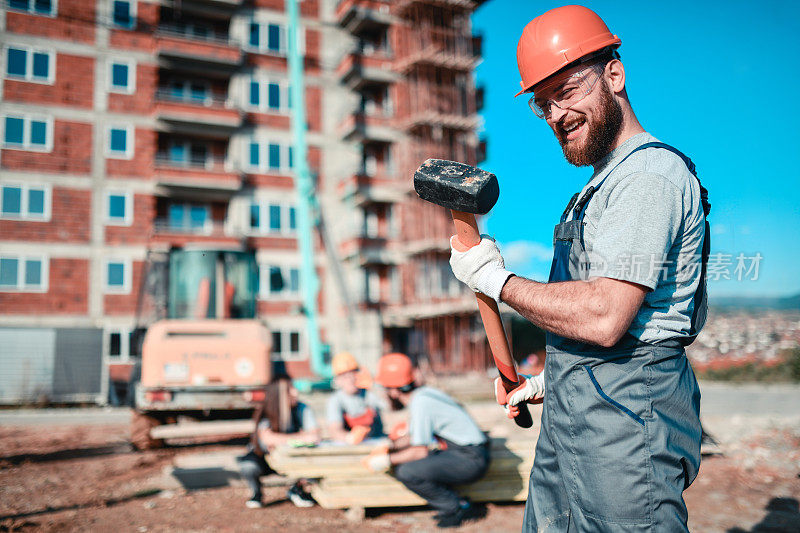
573,309
401,443
412,453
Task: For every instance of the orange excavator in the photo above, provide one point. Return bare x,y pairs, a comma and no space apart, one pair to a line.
209,360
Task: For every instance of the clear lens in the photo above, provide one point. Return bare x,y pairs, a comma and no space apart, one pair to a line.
564,93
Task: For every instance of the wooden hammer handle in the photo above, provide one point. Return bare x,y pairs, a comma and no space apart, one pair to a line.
468,235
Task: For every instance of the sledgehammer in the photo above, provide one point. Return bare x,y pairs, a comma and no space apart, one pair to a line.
467,191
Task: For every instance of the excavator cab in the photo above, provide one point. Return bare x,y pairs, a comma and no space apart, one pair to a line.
210,358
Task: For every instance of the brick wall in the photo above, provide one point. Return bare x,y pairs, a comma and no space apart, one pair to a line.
74,22
141,101
141,165
71,153
69,222
144,208
67,294
72,86
125,304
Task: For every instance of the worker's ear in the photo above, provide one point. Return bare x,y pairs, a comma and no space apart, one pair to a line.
614,74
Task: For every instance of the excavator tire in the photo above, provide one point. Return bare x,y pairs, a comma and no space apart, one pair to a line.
141,424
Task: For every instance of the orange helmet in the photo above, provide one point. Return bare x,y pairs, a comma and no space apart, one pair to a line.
343,362
395,370
557,38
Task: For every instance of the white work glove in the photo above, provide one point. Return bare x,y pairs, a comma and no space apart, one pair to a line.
531,389
481,267
379,462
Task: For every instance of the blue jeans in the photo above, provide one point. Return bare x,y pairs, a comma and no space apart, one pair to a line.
433,476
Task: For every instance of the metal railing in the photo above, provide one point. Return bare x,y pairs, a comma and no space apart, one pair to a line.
212,37
210,228
165,94
209,163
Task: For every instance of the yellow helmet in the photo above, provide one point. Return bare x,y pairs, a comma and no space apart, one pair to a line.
343,362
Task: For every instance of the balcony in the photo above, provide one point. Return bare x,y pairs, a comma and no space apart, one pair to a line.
361,127
180,234
402,6
358,16
207,115
178,47
363,189
209,177
438,47
357,70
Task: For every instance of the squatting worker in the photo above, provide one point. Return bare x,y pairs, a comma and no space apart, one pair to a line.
620,433
443,446
354,412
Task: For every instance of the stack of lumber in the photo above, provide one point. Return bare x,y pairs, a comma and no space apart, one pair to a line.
344,482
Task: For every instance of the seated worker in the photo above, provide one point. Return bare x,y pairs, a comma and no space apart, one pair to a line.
354,413
463,454
280,419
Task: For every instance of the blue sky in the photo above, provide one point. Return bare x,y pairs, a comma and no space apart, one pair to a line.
719,80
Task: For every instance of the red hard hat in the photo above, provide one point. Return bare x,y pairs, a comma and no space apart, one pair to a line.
395,370
557,38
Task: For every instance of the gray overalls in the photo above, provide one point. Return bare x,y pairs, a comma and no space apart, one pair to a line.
620,433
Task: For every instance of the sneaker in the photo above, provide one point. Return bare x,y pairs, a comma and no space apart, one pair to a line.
253,504
466,511
299,497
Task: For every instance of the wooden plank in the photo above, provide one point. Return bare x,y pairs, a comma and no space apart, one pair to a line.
358,470
203,429
402,497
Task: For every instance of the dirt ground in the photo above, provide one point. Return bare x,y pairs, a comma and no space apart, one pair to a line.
86,478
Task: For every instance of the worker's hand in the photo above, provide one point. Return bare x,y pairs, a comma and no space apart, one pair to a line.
531,389
357,434
481,267
378,460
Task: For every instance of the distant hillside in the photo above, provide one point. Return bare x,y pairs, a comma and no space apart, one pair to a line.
754,302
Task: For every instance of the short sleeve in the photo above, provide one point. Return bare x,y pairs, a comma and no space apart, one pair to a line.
308,419
335,410
637,229
374,401
420,426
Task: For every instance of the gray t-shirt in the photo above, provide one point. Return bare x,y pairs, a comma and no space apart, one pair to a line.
433,413
340,404
645,225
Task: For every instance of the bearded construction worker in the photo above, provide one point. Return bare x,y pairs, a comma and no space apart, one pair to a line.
354,412
443,446
620,429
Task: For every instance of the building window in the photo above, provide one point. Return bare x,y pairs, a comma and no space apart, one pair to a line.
123,13
34,7
197,92
120,341
30,64
286,345
25,202
117,276
192,218
268,157
122,76
268,96
267,37
33,134
119,142
372,285
23,273
119,209
272,218
187,153
276,281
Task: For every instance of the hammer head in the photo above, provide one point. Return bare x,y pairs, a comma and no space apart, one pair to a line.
456,186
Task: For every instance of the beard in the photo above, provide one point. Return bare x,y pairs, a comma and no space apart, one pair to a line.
601,134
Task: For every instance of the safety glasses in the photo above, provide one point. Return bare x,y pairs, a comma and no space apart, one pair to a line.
565,93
